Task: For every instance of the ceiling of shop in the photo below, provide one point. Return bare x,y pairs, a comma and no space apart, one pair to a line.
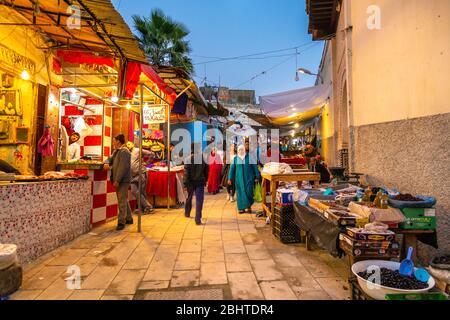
323,17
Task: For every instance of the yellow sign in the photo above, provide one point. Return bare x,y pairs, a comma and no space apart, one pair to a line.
154,115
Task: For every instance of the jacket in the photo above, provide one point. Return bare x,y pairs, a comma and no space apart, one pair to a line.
121,165
195,174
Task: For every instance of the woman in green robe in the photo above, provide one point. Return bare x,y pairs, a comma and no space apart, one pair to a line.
244,175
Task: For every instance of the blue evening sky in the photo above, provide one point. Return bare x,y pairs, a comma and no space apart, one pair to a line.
231,28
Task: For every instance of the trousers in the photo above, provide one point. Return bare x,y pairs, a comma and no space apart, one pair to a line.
199,192
135,191
123,204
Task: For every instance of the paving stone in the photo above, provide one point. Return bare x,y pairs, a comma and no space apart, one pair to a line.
265,270
100,278
244,286
250,238
122,297
286,260
234,246
277,290
312,295
188,245
237,262
300,279
43,278
63,261
25,295
257,252
212,273
189,278
162,264
142,256
154,285
58,290
336,288
188,261
86,295
212,254
320,270
126,282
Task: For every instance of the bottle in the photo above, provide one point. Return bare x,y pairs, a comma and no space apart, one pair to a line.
377,201
384,201
367,195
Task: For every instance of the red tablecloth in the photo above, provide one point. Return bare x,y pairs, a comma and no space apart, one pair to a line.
157,184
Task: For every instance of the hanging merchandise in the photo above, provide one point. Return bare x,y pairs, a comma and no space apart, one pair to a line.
82,128
190,110
180,104
46,143
18,155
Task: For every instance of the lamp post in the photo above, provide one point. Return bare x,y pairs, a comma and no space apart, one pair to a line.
306,71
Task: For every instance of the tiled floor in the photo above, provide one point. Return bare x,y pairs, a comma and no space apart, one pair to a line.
231,256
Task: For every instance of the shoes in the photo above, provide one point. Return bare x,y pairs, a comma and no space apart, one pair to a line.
187,216
129,221
232,199
120,227
149,210
198,223
228,197
241,211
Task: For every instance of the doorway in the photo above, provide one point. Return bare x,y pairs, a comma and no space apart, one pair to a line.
40,123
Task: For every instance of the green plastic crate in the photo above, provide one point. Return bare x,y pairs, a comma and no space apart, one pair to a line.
418,296
419,218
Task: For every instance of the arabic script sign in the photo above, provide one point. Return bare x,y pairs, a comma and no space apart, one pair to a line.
154,115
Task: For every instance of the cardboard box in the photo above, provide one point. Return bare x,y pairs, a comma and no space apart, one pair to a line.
363,244
419,218
355,233
369,252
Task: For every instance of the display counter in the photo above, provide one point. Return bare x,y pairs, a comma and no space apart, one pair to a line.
41,216
157,187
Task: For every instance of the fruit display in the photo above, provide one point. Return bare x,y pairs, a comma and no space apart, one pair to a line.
406,197
393,279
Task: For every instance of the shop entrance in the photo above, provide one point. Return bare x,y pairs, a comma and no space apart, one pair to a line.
40,123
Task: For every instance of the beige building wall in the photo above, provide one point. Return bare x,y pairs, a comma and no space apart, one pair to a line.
402,70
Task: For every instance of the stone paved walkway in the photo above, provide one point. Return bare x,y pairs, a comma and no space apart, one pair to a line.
231,256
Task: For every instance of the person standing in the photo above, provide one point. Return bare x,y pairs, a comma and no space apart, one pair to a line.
244,173
120,162
320,167
136,173
231,190
195,178
74,149
215,170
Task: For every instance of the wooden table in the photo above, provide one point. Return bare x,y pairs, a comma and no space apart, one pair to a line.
410,240
290,177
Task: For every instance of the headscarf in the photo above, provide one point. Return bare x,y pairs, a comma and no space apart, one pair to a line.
241,152
214,157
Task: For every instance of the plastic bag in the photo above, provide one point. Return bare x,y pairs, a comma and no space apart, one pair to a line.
257,195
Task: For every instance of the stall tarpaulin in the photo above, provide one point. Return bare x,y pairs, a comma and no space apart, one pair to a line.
287,106
83,57
133,73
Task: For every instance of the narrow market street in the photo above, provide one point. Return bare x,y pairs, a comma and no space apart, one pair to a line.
231,256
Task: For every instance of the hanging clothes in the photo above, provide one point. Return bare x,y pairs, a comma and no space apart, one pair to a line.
46,144
180,104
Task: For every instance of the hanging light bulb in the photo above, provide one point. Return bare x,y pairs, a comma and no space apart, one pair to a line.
297,125
25,75
128,106
115,99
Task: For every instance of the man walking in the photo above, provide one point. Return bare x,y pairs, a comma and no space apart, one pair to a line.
121,178
135,173
195,178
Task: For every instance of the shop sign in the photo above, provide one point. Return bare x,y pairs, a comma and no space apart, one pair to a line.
16,60
153,115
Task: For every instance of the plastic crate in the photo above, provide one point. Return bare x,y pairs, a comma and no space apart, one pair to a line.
287,235
419,218
414,297
357,292
283,225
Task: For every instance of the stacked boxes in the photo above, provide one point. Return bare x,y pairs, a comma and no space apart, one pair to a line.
369,245
419,218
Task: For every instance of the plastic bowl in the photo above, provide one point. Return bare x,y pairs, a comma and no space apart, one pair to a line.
379,292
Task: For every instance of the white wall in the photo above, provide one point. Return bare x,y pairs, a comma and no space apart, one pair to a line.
401,71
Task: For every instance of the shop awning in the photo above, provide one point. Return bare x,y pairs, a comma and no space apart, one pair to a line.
178,80
295,106
102,28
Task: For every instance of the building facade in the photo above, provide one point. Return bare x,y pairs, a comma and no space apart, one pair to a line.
389,111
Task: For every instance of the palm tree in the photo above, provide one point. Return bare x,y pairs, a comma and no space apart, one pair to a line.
163,40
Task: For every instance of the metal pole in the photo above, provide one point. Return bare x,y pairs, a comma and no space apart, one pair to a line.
168,156
140,156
